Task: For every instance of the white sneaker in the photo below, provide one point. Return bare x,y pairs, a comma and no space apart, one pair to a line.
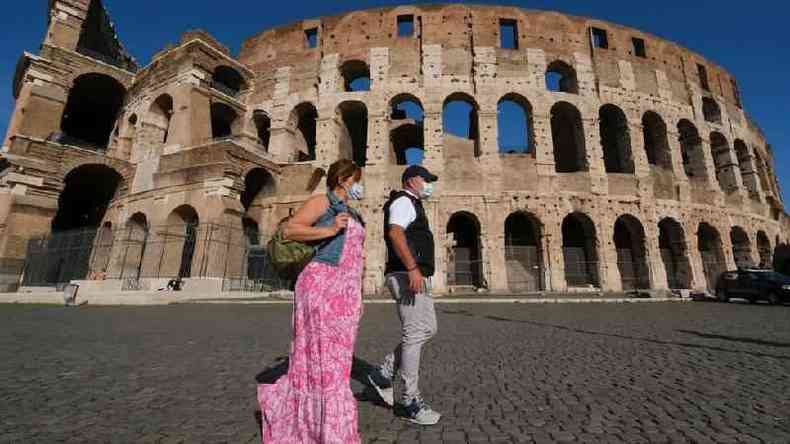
383,386
418,412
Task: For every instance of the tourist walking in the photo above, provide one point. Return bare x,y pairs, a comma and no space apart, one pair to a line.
313,402
410,265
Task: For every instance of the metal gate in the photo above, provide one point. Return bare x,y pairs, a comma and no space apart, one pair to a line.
713,268
58,258
524,268
462,270
579,272
633,270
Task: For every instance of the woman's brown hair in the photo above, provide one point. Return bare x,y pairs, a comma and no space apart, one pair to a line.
340,171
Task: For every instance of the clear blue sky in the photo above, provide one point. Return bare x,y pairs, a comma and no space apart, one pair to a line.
747,39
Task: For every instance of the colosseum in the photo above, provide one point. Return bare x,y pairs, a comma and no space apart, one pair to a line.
574,154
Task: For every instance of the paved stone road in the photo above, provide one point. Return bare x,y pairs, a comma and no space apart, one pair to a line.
700,372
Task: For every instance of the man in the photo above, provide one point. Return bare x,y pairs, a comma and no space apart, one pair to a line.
410,265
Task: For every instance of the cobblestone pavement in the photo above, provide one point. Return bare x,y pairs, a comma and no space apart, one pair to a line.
700,372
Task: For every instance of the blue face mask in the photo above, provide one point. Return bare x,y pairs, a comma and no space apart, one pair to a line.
427,190
357,192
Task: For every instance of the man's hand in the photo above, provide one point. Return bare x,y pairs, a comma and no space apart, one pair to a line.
416,281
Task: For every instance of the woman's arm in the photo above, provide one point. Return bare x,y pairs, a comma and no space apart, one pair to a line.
300,228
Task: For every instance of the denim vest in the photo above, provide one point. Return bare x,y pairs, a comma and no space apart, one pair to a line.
330,250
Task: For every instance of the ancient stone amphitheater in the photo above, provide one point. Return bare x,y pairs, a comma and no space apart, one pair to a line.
574,154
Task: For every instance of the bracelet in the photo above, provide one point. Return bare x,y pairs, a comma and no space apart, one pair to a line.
413,268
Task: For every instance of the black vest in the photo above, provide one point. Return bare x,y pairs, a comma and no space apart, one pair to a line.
418,236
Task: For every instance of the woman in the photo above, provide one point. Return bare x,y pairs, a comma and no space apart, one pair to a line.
313,403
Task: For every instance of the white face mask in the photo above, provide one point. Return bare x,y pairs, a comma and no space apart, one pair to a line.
356,192
427,190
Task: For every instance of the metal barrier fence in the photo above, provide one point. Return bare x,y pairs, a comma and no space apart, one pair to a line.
138,256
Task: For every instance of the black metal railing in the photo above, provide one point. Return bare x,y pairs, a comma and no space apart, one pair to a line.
225,89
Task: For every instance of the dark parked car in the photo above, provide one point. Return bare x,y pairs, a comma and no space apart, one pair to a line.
754,285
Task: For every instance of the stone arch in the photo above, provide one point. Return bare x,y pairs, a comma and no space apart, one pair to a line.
712,253
460,123
88,191
137,235
465,251
356,76
764,249
223,120
741,247
711,110
258,182
182,229
629,243
654,130
406,130
524,252
674,254
691,150
515,127
746,167
353,136
159,116
228,80
615,140
102,248
303,122
561,77
92,107
761,173
580,251
567,131
722,160
263,127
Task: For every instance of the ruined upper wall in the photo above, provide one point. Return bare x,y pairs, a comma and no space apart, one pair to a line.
459,29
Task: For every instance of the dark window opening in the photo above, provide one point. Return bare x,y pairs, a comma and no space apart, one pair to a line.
304,119
161,115
579,250
508,34
741,248
514,125
465,264
615,140
639,47
711,110
228,81
691,150
86,196
406,131
356,76
567,132
263,126
561,77
460,121
257,183
405,25
91,111
722,160
629,242
656,141
222,119
710,248
183,225
703,77
524,253
672,247
353,137
764,249
311,37
600,38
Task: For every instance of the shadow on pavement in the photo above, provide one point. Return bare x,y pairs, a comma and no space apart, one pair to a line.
613,335
735,339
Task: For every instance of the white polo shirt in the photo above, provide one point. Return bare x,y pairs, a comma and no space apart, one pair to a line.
402,211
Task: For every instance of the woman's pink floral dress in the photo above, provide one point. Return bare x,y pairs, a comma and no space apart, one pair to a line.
313,403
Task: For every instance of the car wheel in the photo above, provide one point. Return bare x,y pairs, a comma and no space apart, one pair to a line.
752,300
722,296
774,299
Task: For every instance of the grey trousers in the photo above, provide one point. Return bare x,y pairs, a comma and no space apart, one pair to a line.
418,325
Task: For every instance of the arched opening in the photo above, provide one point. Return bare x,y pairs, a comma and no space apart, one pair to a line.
656,142
76,236
353,136
579,250
256,252
523,253
356,76
764,249
567,132
303,120
182,232
263,127
782,258
514,125
228,81
137,232
710,249
711,110
257,183
464,264
746,166
722,160
102,249
561,77
91,111
691,150
672,245
461,124
406,130
741,248
222,119
629,243
761,168
615,140
161,113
